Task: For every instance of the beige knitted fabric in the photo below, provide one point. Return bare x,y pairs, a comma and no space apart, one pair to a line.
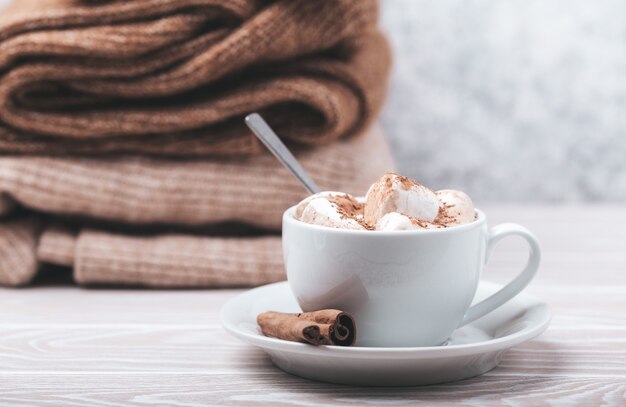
161,213
141,190
176,77
18,242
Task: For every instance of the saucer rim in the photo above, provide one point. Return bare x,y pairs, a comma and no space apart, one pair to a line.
504,342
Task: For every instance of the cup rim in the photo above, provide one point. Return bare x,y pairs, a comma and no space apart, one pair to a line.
289,218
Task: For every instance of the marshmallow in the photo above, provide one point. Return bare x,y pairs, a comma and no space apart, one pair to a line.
457,207
395,193
329,209
395,221
303,204
393,203
398,221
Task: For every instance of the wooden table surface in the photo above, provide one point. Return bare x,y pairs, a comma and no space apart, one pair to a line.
63,345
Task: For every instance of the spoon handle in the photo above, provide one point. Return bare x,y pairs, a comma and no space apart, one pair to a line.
269,138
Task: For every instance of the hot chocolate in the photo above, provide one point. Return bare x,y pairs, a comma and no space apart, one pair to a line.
394,202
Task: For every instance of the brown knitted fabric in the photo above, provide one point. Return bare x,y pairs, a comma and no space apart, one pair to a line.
125,155
151,221
175,77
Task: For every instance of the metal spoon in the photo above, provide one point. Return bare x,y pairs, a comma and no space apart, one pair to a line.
269,138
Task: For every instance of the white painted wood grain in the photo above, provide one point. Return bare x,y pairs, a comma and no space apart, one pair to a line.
69,346
261,389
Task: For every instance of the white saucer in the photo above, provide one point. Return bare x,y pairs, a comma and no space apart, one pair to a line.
472,350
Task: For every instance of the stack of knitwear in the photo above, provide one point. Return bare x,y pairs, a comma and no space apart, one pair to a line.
123,152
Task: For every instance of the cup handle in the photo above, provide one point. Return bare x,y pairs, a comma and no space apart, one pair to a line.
510,290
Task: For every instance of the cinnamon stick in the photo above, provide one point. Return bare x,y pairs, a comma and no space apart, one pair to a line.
324,327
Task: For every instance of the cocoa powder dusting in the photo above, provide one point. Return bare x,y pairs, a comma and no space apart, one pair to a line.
366,225
444,217
346,205
406,182
426,225
350,208
418,222
389,179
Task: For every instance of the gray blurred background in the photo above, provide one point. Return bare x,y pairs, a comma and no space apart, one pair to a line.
510,100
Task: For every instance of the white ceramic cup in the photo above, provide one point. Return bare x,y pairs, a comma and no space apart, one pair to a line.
404,288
